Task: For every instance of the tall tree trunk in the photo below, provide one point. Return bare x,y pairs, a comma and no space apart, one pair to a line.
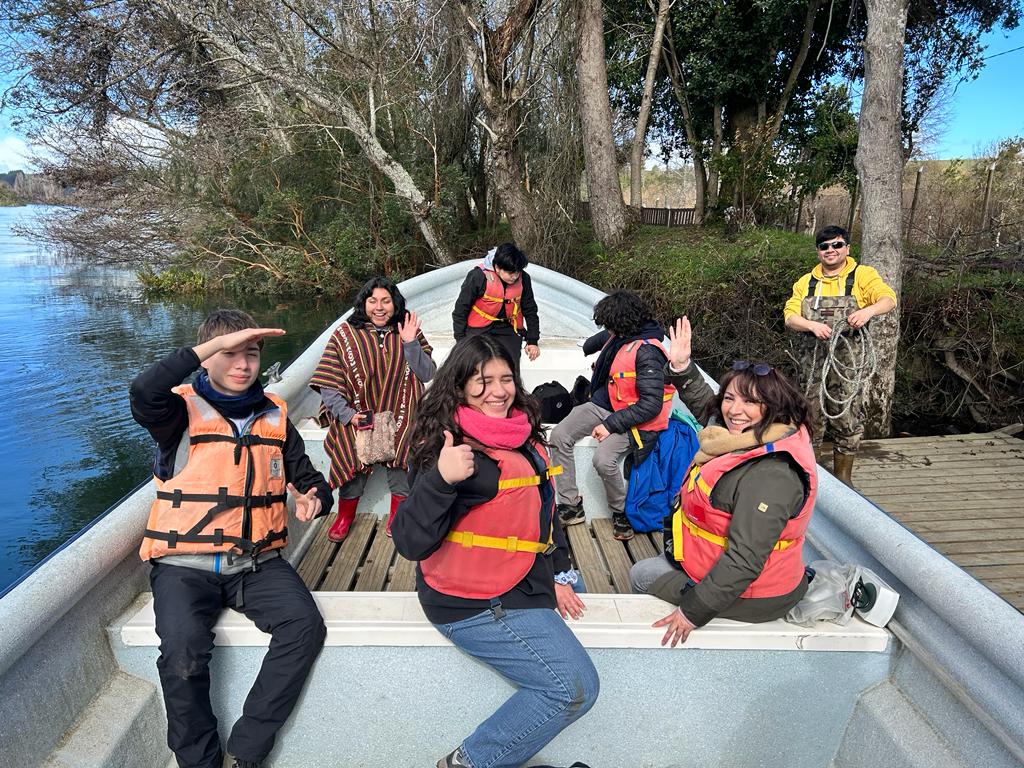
678,80
717,139
507,177
880,165
607,210
636,161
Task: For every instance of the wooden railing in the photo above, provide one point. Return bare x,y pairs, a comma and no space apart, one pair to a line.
663,217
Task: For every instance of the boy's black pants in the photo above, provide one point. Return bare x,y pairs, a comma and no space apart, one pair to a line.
187,603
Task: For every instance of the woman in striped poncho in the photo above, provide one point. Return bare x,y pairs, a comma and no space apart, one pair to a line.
376,362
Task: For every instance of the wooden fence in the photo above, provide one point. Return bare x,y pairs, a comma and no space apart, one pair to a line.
662,217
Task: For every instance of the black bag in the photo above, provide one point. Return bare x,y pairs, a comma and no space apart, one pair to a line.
554,400
581,391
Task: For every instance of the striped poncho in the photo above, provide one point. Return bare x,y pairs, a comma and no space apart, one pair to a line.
369,369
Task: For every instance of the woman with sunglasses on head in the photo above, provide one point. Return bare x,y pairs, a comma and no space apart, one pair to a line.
734,546
493,563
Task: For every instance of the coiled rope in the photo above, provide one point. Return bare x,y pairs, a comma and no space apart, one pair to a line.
863,361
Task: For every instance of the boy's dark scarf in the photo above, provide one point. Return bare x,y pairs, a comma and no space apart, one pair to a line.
231,406
603,366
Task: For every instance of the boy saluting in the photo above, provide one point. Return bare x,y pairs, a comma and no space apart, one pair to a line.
215,532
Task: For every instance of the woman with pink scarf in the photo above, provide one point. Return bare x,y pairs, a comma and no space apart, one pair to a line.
493,572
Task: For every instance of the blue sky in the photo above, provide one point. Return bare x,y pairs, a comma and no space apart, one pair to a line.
979,114
985,110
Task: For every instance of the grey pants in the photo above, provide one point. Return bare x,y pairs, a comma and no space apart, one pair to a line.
398,483
644,573
578,424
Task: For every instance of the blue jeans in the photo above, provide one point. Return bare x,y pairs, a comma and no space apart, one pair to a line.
533,649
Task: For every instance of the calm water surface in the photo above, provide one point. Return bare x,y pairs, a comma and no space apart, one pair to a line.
72,336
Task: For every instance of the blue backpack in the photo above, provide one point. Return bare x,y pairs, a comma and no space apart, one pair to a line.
655,482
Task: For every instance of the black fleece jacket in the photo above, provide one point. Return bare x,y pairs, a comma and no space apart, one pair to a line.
165,416
650,377
473,288
434,507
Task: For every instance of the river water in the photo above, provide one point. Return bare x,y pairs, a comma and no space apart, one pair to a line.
72,337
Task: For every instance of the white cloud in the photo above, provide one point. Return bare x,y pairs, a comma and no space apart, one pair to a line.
14,154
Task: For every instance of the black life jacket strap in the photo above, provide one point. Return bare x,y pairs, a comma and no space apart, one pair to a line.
217,538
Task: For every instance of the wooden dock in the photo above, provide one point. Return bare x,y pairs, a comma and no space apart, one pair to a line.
963,494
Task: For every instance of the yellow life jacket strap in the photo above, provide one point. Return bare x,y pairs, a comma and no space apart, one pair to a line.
694,478
525,482
469,539
679,520
479,311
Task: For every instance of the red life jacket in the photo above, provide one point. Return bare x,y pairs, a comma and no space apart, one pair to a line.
230,495
495,545
622,389
496,293
701,535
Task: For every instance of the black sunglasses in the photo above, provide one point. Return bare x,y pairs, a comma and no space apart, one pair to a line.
758,369
835,245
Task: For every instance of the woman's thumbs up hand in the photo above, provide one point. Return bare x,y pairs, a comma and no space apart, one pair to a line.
455,463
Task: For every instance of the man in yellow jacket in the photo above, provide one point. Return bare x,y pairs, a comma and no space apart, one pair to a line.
836,294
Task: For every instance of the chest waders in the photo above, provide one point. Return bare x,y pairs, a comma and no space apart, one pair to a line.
848,354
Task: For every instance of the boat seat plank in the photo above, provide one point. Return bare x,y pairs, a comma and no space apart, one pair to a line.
313,565
610,621
587,558
343,570
374,571
658,537
640,547
403,575
614,554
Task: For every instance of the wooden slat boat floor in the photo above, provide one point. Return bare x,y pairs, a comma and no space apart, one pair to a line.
962,494
368,562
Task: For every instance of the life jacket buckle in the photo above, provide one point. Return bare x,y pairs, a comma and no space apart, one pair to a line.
550,548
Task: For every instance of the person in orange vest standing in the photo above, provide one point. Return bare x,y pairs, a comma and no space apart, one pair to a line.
629,404
493,573
215,533
735,545
497,299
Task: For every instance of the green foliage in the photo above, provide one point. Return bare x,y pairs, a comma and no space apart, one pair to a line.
8,198
732,289
173,281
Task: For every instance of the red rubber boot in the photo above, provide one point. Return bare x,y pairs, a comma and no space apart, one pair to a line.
395,501
346,514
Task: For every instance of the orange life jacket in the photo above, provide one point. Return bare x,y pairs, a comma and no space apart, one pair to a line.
496,293
495,545
231,494
700,532
622,389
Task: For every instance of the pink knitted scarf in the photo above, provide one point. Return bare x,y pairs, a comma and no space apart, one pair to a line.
508,433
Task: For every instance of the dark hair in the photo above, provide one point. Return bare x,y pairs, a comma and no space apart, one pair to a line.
623,313
436,411
783,402
508,257
358,317
829,232
225,321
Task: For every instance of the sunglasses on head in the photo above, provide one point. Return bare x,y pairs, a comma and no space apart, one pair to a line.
834,245
758,369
